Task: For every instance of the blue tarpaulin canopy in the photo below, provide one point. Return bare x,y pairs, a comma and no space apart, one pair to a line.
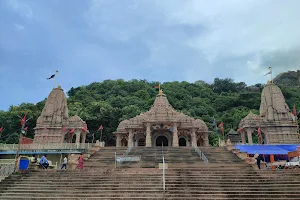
269,149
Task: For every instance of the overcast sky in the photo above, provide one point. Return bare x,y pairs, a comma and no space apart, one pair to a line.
157,40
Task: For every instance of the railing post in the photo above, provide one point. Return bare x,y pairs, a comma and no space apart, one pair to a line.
163,159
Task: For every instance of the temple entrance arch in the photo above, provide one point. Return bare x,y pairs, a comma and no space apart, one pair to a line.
157,140
200,142
124,142
182,142
161,140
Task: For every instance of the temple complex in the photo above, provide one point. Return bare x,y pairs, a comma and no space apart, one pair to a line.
276,122
54,124
162,125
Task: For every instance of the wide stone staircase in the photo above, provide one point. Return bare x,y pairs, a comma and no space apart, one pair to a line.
175,157
225,177
220,155
105,157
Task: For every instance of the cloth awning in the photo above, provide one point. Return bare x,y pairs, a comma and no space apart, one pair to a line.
267,149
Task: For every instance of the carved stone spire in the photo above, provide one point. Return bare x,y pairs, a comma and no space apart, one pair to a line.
273,105
55,112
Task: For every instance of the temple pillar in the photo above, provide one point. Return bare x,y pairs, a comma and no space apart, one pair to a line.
118,142
193,136
206,142
175,135
83,140
243,137
77,133
148,136
249,135
130,138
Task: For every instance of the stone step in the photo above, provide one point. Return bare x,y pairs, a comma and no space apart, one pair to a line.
149,198
141,190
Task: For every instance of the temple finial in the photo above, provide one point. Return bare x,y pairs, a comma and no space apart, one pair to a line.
160,91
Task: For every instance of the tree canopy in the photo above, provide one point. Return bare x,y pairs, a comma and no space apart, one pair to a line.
111,101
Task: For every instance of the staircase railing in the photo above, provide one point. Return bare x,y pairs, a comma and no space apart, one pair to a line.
7,167
47,146
163,159
127,151
201,154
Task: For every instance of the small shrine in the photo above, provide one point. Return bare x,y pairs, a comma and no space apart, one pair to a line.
54,124
233,136
276,122
162,126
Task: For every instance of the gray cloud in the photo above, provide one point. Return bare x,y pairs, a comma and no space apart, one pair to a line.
150,39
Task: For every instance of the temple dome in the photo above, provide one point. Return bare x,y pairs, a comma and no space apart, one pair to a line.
200,124
161,111
76,121
273,105
251,116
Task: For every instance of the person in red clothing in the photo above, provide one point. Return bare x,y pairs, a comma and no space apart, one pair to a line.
80,162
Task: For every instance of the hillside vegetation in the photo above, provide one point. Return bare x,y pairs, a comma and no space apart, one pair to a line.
112,101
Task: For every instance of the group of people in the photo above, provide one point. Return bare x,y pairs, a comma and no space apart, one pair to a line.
44,163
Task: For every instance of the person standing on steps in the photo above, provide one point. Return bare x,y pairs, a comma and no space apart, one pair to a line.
80,162
258,160
65,162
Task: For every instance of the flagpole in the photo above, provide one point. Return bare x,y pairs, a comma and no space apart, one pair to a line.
270,68
158,86
19,146
55,78
101,135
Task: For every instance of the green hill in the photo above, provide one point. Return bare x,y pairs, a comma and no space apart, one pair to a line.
290,78
111,101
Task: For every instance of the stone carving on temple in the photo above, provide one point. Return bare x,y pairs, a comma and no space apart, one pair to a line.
275,120
162,125
55,117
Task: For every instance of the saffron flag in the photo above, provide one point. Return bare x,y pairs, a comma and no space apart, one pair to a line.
53,75
156,87
240,130
23,120
1,129
64,128
294,111
100,128
85,127
221,125
258,131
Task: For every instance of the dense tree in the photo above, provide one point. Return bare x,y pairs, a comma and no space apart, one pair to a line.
112,101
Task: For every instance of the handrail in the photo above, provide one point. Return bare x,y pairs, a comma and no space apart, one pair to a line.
201,154
47,146
127,151
126,158
6,169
